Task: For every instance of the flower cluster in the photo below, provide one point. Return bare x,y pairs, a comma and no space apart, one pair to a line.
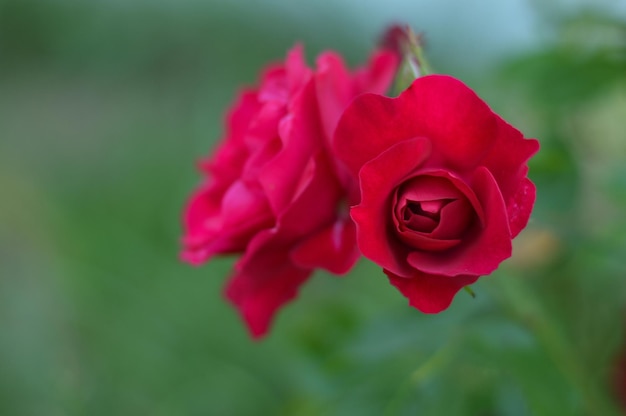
317,167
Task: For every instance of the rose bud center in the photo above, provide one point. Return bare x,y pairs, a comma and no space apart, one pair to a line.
431,213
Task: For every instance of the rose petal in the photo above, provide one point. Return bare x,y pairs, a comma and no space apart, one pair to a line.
243,207
301,136
273,86
521,206
454,219
316,203
333,248
374,215
458,189
334,89
420,223
379,73
265,279
202,224
229,157
428,188
430,293
298,73
481,254
214,228
461,126
370,125
424,241
507,159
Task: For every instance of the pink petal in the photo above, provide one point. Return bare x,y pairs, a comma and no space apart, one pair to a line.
430,293
228,159
315,205
302,137
368,127
333,248
298,73
334,89
267,277
379,73
202,223
222,224
243,207
264,281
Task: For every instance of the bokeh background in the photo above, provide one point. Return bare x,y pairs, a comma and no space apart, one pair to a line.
106,105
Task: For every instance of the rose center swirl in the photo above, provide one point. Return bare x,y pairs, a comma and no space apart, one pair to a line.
431,213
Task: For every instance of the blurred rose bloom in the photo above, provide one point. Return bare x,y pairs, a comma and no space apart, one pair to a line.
273,190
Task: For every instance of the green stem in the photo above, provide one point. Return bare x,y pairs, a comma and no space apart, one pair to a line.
518,298
432,365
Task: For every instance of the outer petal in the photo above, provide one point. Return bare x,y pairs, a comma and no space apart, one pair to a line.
201,221
267,277
373,216
482,253
244,208
264,280
301,137
282,81
336,87
368,127
508,157
333,248
461,126
507,162
430,293
378,75
226,164
298,74
223,223
520,206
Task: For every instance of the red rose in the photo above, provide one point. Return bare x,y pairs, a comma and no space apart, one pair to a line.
443,186
273,190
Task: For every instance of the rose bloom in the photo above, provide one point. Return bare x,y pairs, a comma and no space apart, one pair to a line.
443,186
273,190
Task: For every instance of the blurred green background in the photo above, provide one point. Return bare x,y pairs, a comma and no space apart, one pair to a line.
106,105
